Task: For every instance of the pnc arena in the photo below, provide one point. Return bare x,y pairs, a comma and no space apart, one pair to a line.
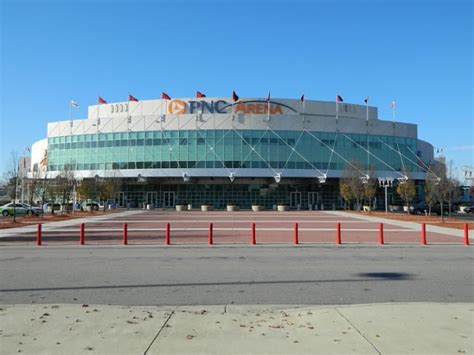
232,150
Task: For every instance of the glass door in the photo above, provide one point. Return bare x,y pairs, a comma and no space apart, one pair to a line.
313,199
295,199
168,199
121,199
152,198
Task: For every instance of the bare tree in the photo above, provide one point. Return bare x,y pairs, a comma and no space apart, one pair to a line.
352,177
407,192
370,187
11,176
346,194
431,189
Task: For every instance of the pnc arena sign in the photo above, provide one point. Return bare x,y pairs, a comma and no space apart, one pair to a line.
256,107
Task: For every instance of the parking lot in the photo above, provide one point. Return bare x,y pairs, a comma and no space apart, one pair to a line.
192,227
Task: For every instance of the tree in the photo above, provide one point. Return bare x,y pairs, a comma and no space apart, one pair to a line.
370,187
352,177
87,189
431,189
407,192
346,194
12,180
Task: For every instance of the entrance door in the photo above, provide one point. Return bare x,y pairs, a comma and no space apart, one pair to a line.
121,199
152,198
295,199
168,199
313,199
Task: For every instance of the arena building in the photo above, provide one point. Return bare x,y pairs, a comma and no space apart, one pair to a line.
221,150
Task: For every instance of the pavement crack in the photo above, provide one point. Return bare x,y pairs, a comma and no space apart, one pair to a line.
158,333
358,331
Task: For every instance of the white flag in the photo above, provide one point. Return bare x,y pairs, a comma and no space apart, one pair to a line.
74,104
392,104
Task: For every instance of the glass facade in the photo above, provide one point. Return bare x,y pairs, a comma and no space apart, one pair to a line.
231,149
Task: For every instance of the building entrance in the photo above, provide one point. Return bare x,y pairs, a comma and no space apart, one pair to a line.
295,199
168,199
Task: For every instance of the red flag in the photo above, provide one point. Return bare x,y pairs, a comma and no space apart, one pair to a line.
101,101
165,96
302,98
268,97
235,97
339,98
200,95
132,98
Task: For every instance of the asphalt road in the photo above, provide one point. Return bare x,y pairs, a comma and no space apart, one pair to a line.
193,275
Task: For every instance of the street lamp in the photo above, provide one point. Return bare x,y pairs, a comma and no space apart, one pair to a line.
386,183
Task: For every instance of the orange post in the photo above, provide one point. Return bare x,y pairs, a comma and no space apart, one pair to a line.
168,234
211,241
381,241
338,234
423,234
125,234
254,238
38,235
466,234
81,234
295,234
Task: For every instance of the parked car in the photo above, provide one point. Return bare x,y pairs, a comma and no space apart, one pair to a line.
20,209
468,209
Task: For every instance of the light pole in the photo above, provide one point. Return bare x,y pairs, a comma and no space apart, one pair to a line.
386,183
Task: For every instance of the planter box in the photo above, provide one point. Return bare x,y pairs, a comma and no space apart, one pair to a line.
257,208
232,208
283,208
206,208
367,208
181,208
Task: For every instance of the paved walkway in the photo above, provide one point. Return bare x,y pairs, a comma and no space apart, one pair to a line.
10,232
430,328
411,225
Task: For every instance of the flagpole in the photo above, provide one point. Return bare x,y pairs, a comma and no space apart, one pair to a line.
304,113
70,116
268,107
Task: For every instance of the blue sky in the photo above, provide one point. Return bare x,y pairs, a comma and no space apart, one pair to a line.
419,53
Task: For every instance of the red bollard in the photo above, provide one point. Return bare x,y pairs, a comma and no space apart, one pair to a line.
211,241
125,234
338,234
38,235
381,234
295,236
423,234
81,234
168,234
254,238
466,234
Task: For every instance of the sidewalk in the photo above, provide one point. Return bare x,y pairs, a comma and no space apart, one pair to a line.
410,225
10,232
434,328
